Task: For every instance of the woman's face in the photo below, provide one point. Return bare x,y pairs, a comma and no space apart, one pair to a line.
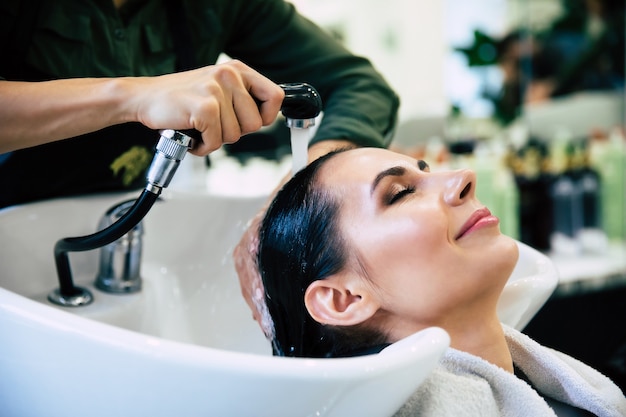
431,250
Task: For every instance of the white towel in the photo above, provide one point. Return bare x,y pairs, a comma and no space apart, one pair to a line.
466,385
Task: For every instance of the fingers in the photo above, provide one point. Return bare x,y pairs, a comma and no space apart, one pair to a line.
223,102
268,94
251,284
246,273
240,101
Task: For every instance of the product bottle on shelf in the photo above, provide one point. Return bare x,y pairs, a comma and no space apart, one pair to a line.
533,182
567,206
608,157
591,235
496,186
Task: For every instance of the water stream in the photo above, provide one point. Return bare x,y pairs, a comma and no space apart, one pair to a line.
299,147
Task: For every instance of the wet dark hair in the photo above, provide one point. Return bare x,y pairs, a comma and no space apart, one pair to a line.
300,242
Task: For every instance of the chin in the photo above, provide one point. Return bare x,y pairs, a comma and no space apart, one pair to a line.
499,253
507,254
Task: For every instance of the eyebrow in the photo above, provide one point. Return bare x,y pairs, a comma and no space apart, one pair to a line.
396,171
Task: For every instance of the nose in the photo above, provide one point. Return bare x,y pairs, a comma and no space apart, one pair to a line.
459,186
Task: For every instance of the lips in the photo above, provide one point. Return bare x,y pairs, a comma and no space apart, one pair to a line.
478,219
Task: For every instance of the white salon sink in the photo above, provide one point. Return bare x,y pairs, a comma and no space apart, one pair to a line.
533,280
186,345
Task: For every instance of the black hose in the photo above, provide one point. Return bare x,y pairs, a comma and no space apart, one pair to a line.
97,240
302,101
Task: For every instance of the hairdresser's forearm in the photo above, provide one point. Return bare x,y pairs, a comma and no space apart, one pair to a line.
223,102
33,113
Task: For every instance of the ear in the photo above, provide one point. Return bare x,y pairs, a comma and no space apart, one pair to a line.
340,300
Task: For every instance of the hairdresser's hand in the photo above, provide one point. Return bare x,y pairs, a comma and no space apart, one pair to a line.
244,257
222,101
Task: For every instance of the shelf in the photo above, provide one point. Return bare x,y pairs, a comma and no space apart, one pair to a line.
591,272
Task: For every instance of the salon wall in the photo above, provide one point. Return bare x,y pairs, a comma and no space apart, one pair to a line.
405,40
413,43
410,43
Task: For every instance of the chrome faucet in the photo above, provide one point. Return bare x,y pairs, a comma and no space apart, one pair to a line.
170,150
120,261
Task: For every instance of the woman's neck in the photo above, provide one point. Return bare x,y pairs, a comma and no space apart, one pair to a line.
483,338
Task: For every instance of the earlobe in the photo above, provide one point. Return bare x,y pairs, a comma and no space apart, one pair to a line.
328,301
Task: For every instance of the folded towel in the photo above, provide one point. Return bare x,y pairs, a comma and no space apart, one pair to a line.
564,378
466,385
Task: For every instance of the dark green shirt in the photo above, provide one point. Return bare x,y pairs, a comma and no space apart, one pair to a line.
90,38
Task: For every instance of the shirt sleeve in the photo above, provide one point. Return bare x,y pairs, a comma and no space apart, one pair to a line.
8,18
271,37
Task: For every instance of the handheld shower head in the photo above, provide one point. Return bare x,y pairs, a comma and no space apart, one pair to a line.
301,105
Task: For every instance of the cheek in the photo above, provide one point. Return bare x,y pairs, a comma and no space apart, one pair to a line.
403,246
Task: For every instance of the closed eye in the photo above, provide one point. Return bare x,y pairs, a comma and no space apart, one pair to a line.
400,194
397,192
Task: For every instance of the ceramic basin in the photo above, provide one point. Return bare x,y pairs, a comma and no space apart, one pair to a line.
186,344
